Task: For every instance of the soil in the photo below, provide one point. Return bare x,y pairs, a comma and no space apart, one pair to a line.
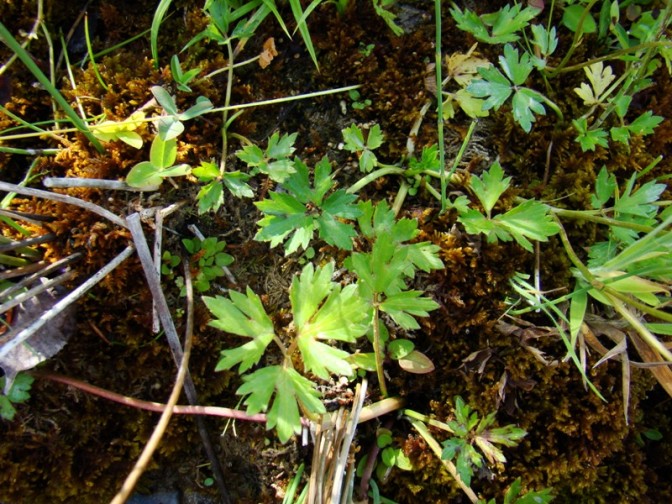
69,446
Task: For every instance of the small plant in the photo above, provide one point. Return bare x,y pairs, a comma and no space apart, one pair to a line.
354,142
473,439
474,445
357,102
497,87
17,394
208,260
180,77
382,275
595,94
390,456
211,195
322,311
300,210
274,161
161,164
171,125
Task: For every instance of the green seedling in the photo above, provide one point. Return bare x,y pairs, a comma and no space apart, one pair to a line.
366,49
357,102
498,87
274,161
171,124
110,131
18,393
353,138
390,456
161,164
323,312
595,93
544,42
208,259
474,445
530,220
474,442
299,210
211,195
180,77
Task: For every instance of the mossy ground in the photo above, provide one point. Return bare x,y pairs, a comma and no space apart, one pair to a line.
66,446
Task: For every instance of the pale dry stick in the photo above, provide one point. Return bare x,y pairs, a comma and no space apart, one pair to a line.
197,232
16,338
342,461
28,242
43,272
39,288
158,245
160,429
113,185
154,284
64,198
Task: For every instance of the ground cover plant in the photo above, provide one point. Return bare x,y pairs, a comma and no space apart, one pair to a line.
417,252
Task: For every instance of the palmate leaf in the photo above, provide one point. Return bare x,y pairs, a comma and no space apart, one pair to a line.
490,186
243,315
530,219
290,390
504,24
324,311
297,213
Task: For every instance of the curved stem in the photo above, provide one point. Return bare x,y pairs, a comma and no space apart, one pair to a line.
374,175
615,55
588,215
575,42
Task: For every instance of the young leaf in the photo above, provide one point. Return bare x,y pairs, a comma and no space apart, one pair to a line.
644,124
143,174
589,139
165,100
600,77
505,23
605,185
302,210
243,315
354,142
403,307
490,186
290,390
530,219
324,311
524,103
163,153
275,161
